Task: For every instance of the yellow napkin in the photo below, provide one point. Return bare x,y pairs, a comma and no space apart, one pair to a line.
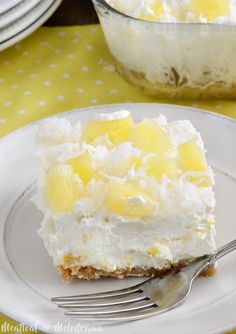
58,69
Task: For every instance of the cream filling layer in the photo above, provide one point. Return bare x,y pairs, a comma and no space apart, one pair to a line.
112,244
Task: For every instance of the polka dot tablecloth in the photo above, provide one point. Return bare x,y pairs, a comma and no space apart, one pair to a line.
58,69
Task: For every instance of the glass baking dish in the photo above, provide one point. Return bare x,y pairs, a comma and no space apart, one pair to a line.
172,60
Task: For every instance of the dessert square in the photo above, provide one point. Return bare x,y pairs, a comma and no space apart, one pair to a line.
122,198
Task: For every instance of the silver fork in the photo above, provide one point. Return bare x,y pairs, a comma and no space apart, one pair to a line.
152,297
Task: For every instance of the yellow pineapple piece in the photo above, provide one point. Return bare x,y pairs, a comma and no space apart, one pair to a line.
153,251
62,189
150,137
211,9
191,157
118,130
136,162
160,166
124,199
210,221
156,10
82,166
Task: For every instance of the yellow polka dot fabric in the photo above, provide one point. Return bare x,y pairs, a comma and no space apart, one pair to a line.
58,69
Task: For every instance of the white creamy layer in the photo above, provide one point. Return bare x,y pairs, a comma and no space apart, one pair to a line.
182,227
115,244
174,55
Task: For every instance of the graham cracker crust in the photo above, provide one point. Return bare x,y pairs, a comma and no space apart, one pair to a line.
91,273
175,88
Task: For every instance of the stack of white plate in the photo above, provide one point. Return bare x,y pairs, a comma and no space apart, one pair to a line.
19,18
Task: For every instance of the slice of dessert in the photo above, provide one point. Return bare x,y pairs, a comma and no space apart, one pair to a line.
122,198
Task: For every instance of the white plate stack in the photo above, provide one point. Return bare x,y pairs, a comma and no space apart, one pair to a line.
19,18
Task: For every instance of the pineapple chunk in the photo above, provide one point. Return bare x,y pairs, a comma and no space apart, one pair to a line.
160,166
150,137
62,189
124,199
191,157
136,162
118,130
211,9
82,166
156,10
153,251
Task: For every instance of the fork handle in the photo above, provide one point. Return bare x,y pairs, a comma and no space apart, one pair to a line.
222,251
198,265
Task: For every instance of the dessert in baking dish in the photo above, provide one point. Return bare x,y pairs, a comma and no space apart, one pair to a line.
173,49
122,198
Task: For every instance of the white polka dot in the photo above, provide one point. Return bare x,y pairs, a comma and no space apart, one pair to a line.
80,90
110,68
98,82
102,61
77,33
66,75
42,103
47,82
8,104
71,56
94,101
93,29
27,93
74,40
45,44
218,106
33,75
52,65
19,71
195,105
6,62
114,91
2,120
60,97
14,86
22,112
89,47
1,80
57,51
61,33
25,53
38,61
85,69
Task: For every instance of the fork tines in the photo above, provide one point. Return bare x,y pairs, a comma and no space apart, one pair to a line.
112,305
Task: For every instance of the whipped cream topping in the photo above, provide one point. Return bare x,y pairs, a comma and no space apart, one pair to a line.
181,225
189,11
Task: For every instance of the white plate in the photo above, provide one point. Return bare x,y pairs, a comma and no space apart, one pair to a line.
16,12
5,5
28,278
26,24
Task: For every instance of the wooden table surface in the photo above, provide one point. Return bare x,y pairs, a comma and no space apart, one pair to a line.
73,12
